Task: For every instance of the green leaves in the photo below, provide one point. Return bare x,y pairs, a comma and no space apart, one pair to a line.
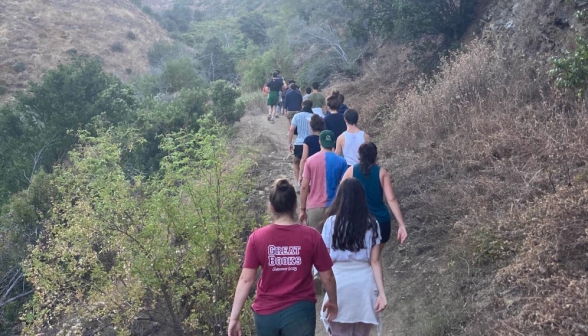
571,70
166,249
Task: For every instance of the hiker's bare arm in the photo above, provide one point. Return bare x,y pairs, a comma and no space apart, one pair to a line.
366,138
330,284
348,174
339,145
304,190
304,156
393,203
246,280
290,134
376,263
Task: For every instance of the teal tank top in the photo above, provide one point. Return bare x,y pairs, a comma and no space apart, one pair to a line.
374,193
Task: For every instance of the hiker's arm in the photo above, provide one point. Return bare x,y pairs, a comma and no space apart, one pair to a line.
339,145
376,263
242,292
290,134
366,138
393,203
303,158
304,190
348,174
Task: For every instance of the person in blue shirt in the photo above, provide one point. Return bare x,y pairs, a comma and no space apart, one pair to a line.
292,102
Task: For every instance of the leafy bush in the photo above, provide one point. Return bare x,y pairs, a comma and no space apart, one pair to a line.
3,89
162,51
571,70
133,253
19,67
117,47
412,19
225,106
180,74
131,36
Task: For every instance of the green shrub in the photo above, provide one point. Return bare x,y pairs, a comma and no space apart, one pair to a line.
162,51
571,70
225,106
117,47
131,36
175,242
180,74
19,67
3,89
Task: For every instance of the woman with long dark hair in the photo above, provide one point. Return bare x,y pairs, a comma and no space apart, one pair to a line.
377,184
286,251
352,235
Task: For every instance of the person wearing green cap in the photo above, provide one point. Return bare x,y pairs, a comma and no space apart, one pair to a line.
320,179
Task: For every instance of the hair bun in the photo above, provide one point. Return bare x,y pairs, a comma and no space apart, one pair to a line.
335,93
282,185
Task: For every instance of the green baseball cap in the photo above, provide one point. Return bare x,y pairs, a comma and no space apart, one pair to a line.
327,139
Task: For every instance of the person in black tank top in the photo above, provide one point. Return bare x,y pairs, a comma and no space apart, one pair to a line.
377,184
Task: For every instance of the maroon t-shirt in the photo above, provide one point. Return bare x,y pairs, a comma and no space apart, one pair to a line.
286,254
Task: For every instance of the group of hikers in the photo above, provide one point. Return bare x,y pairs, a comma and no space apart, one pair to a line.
335,243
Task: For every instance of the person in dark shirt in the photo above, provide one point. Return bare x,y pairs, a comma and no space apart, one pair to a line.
275,86
343,107
311,144
335,121
292,102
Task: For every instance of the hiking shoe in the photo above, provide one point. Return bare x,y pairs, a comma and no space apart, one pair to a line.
269,118
277,115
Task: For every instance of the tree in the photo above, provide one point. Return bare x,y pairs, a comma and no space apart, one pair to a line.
225,107
254,27
410,19
217,63
134,253
180,74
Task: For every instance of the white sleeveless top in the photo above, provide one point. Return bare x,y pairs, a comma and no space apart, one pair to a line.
351,147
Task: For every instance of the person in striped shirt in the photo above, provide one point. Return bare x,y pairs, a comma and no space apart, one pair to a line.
301,124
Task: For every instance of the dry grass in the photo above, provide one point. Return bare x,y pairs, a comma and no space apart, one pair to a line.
503,156
490,164
40,33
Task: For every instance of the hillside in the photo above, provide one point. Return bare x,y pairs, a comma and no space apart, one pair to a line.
489,162
36,35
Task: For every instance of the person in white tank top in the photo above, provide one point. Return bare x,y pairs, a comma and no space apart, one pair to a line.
348,143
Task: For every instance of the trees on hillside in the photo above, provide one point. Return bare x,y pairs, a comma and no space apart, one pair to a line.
138,253
409,19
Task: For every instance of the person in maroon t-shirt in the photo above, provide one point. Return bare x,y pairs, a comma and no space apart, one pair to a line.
286,251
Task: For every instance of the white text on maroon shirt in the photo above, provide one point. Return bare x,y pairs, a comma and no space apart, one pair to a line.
284,256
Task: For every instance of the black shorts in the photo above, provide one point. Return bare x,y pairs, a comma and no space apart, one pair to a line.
386,231
298,151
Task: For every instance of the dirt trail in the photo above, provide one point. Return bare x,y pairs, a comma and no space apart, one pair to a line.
274,161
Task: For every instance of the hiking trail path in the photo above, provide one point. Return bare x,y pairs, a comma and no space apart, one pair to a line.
274,161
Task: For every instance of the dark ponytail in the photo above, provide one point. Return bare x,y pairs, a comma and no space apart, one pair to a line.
283,198
368,153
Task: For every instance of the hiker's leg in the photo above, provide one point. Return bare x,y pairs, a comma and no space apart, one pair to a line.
298,319
385,230
362,329
297,156
316,218
341,329
267,325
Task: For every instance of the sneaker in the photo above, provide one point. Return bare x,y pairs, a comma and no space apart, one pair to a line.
269,117
277,115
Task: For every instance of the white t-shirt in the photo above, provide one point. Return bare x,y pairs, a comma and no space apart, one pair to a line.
337,255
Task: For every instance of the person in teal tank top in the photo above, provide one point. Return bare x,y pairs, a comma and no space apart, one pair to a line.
378,191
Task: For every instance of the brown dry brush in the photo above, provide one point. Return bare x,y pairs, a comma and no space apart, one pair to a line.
504,155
